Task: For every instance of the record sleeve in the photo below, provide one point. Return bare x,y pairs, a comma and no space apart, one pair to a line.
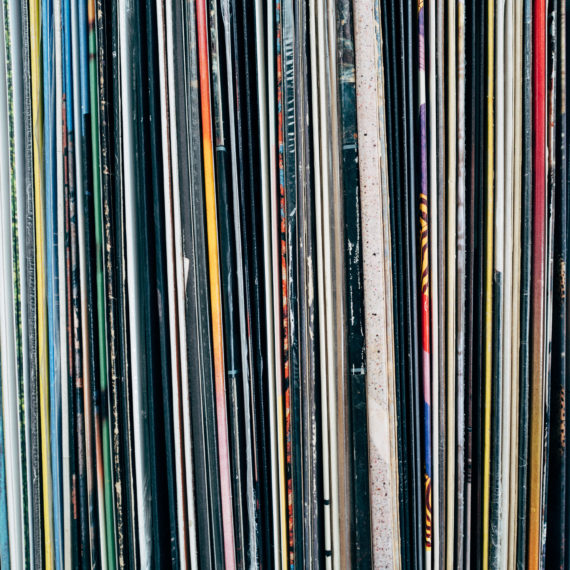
526,281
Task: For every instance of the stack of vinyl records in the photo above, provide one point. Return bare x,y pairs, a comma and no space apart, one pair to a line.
182,295
477,173
181,298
